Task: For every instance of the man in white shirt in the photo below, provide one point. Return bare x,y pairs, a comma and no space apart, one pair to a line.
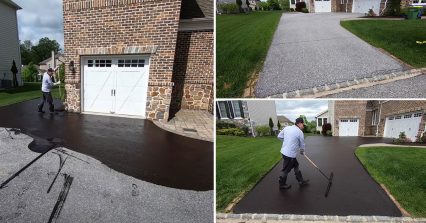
293,141
46,86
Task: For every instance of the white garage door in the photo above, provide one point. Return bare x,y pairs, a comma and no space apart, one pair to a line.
322,6
115,85
363,6
348,127
408,123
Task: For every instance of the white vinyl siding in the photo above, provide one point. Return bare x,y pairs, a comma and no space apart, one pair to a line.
261,111
9,42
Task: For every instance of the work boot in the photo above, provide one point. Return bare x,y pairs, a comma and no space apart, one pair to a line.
283,185
300,179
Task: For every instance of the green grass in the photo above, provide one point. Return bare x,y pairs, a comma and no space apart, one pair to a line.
398,37
242,43
402,171
27,92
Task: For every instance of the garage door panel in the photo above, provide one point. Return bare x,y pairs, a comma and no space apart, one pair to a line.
363,6
97,90
322,6
130,90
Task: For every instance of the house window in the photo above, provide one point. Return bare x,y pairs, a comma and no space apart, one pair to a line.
293,2
324,120
375,118
237,109
319,121
222,110
343,1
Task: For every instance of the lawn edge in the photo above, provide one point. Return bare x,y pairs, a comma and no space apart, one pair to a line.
384,188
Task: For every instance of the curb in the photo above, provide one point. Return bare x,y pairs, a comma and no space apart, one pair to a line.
333,218
327,89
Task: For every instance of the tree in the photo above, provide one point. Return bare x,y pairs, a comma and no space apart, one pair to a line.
305,121
29,73
279,125
26,56
312,126
271,125
274,5
14,70
43,49
394,8
284,5
239,3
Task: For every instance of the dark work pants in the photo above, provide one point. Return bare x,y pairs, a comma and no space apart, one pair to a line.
47,97
289,164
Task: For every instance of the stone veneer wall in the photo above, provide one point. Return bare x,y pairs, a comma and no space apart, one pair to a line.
400,107
115,27
350,109
193,71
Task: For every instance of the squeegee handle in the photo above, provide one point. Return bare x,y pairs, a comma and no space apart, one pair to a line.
312,162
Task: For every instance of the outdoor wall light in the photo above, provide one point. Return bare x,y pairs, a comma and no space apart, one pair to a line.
72,67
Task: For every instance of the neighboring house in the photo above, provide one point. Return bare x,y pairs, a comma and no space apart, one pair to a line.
139,58
250,113
354,6
284,121
321,119
9,43
50,63
378,118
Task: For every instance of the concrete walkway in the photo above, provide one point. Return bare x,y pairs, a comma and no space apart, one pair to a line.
96,193
190,123
353,192
310,50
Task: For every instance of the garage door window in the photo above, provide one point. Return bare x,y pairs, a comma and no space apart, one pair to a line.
398,117
418,115
99,63
391,118
407,116
131,63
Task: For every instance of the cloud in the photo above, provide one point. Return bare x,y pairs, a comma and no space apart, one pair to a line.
38,19
294,108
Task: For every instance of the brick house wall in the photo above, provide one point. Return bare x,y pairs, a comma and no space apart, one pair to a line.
350,110
193,71
139,27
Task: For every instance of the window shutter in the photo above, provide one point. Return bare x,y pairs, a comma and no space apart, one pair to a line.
217,111
240,103
230,110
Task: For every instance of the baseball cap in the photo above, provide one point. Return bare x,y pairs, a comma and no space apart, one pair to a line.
299,120
50,70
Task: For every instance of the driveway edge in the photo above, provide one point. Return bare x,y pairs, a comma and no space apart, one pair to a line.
327,89
323,218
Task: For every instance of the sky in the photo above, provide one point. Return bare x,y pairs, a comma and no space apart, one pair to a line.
38,19
292,109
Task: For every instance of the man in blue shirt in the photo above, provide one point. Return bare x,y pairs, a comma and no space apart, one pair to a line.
293,141
46,86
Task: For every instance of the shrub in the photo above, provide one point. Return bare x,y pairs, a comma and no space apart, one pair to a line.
291,9
371,13
225,125
29,73
284,5
326,127
422,138
263,130
262,6
329,133
402,138
228,8
300,6
317,132
231,131
305,10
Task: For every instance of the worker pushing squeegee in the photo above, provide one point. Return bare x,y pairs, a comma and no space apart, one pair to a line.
294,140
46,86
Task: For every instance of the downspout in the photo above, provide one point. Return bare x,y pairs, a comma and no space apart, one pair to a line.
380,114
384,8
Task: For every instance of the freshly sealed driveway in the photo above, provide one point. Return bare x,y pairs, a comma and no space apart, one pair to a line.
134,147
310,50
353,191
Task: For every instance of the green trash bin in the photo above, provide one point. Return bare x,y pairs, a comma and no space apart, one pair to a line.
413,12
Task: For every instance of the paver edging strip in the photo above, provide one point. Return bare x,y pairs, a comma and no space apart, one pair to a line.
389,145
328,89
298,218
164,127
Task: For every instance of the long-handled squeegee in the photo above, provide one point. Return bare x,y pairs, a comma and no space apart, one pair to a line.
328,178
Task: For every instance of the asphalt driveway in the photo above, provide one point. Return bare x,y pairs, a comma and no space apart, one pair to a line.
310,50
135,147
353,191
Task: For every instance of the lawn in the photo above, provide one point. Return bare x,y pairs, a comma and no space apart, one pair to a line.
402,171
242,43
398,37
27,92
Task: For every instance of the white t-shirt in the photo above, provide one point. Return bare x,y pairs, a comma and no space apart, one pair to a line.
47,83
293,140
